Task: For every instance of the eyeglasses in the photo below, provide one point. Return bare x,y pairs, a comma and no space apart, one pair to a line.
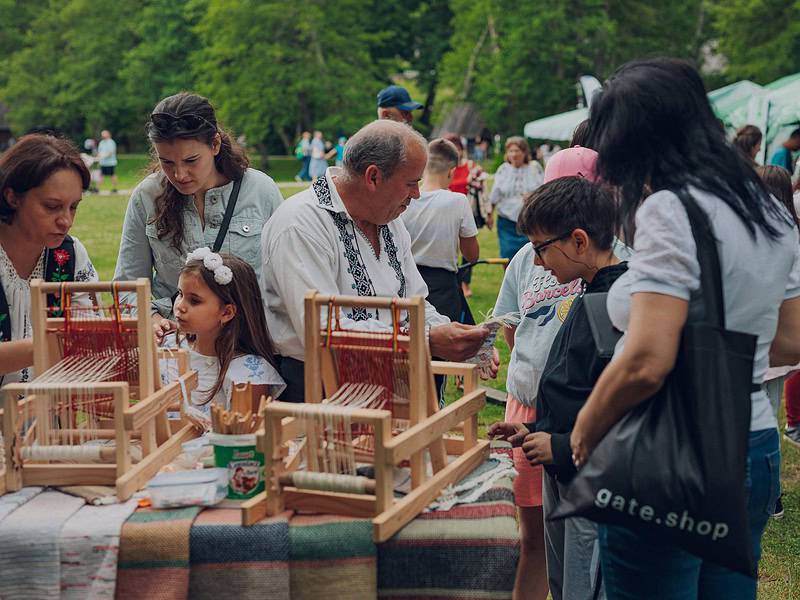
167,122
539,248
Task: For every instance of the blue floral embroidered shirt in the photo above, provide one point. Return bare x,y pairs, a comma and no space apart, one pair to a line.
246,368
312,243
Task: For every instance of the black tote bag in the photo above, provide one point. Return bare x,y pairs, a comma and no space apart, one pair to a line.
674,467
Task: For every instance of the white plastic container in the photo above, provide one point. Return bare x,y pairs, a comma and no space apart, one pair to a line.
201,487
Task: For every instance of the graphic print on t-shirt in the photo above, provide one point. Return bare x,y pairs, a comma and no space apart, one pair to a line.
537,301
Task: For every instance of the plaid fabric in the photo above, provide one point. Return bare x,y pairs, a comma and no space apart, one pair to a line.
154,554
231,561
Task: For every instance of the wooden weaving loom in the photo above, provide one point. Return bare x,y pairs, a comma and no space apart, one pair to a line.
97,387
380,410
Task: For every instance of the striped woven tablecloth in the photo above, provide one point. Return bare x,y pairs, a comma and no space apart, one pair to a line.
469,551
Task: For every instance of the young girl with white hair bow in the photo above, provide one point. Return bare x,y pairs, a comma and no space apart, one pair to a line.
221,321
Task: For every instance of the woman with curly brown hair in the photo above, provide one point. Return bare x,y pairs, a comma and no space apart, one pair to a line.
201,193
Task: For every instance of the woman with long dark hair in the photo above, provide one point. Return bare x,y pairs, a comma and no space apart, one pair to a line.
199,171
652,126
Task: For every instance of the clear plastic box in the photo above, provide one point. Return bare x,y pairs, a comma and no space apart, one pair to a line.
201,487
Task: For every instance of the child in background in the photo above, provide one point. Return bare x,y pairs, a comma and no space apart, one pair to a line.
340,150
441,223
221,322
543,304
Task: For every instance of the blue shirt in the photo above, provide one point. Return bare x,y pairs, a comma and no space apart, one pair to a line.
782,158
107,152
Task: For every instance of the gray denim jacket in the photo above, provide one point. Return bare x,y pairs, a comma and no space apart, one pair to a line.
142,254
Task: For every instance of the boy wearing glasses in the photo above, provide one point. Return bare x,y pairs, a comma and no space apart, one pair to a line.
570,222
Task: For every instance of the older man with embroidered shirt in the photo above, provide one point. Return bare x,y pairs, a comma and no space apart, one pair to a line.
342,236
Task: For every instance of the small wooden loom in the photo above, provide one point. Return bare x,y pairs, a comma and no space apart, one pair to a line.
381,410
96,381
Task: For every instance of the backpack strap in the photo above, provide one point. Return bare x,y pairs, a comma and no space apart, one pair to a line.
59,266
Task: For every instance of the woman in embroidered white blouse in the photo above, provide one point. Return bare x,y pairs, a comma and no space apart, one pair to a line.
517,177
41,182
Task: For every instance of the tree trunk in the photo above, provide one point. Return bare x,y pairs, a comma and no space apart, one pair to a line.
285,140
471,65
426,111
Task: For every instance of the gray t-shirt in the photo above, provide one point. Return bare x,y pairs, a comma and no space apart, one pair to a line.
435,221
543,304
758,274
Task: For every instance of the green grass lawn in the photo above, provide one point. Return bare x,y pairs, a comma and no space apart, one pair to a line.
132,167
99,223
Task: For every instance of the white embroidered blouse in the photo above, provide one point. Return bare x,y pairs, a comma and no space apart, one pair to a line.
312,243
18,296
247,368
511,185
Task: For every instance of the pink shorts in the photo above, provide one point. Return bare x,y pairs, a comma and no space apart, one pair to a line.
528,484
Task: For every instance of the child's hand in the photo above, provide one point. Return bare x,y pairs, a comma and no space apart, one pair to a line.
513,433
162,327
538,449
490,371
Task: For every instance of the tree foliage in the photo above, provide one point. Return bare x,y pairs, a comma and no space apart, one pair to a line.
520,60
759,38
276,67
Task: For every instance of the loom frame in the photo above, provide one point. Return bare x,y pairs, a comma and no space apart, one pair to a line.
145,419
428,430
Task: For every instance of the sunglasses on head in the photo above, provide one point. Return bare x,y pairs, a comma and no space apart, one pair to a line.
188,122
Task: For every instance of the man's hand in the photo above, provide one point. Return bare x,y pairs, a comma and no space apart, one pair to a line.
162,327
513,433
456,341
490,220
538,449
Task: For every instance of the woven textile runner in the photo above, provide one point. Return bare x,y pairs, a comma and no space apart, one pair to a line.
12,501
231,561
154,554
332,557
468,552
89,545
29,547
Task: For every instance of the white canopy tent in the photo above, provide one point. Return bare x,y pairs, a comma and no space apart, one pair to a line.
774,108
558,127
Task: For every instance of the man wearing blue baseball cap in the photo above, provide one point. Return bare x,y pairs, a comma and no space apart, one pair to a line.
395,104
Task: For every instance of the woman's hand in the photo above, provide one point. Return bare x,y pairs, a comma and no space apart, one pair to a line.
636,374
162,327
490,220
513,433
583,440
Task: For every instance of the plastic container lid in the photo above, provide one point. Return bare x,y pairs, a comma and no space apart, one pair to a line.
195,477
242,439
